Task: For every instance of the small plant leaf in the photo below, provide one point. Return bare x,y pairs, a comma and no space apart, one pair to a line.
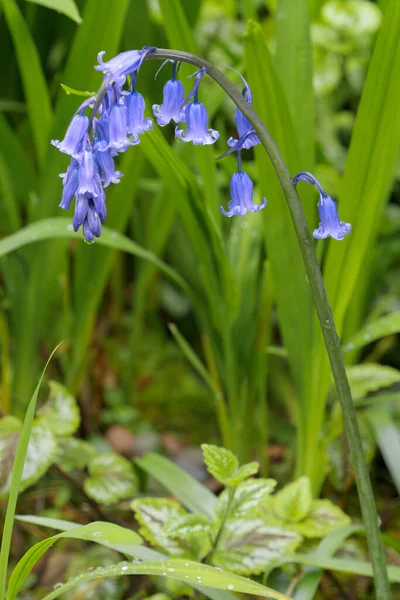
71,91
153,514
224,465
322,519
250,546
367,378
242,473
221,463
293,502
73,453
379,328
67,7
112,478
248,496
61,412
194,531
41,450
187,525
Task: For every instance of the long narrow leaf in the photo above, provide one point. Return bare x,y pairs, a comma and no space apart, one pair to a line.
16,477
33,79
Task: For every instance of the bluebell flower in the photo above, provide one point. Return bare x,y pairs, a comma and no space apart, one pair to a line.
196,126
173,97
137,124
241,194
330,224
70,183
118,129
76,131
122,65
196,118
247,136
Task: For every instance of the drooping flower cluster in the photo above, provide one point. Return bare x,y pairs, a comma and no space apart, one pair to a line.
330,224
116,122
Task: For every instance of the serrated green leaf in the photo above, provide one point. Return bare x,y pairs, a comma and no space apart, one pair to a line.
41,450
221,463
293,502
186,526
322,519
250,546
242,473
153,514
248,496
194,530
367,378
73,453
112,479
66,7
379,328
61,412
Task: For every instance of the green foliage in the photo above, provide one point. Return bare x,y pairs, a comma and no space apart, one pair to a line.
224,465
67,7
61,412
112,478
294,502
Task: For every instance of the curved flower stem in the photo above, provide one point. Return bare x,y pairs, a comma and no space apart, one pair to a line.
332,343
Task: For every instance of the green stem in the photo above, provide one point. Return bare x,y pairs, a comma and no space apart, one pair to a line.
332,343
221,527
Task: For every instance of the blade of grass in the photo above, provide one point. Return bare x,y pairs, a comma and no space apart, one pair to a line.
288,273
16,476
61,228
195,496
35,87
181,570
141,552
368,177
294,65
67,7
101,29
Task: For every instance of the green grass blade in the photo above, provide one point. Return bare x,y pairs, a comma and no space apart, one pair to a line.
179,570
294,65
66,7
368,177
16,161
283,251
176,26
61,228
16,477
353,567
370,166
35,87
106,534
310,580
141,552
101,29
195,496
387,434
